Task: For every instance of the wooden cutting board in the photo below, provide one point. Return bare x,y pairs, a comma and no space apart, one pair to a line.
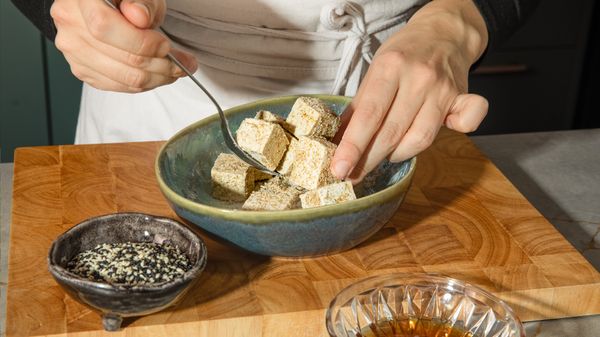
461,217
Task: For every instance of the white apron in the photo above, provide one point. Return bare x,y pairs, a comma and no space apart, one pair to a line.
247,50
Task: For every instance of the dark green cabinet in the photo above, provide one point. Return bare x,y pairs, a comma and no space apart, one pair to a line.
39,98
65,93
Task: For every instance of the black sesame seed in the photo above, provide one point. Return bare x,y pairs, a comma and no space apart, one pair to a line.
130,263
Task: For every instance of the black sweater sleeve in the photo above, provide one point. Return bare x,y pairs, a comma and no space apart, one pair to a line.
502,17
38,12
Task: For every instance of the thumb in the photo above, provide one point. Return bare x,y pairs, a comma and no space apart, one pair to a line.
466,113
144,13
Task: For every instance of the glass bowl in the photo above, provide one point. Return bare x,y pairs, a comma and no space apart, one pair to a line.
424,305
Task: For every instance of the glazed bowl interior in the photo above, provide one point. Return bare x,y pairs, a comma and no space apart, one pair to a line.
184,163
419,305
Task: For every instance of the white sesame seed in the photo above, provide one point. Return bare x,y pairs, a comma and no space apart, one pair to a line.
129,263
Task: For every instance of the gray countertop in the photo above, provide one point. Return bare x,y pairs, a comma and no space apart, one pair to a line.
5,202
558,172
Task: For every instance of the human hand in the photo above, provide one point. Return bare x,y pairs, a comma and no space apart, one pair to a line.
416,82
117,51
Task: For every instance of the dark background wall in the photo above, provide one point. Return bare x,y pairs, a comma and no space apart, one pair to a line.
534,82
39,98
542,79
587,114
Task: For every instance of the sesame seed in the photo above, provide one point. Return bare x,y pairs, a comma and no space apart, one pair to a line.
130,263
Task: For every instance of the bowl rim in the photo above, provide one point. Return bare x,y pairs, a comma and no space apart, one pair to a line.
258,217
65,275
434,278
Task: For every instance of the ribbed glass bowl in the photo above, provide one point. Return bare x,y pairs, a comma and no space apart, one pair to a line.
424,305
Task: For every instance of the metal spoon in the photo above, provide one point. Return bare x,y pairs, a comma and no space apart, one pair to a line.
227,135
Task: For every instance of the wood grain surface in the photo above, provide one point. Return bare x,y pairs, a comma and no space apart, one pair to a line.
461,218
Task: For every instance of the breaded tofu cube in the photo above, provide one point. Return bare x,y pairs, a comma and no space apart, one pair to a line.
232,178
274,195
312,117
264,141
285,167
328,195
261,176
268,116
311,163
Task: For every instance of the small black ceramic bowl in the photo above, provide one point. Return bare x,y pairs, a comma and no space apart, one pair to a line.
115,301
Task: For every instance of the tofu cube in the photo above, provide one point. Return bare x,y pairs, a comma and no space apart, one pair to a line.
264,141
285,167
312,159
260,175
232,178
268,116
312,117
275,195
328,195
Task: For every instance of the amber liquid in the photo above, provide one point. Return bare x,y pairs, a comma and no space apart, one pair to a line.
413,328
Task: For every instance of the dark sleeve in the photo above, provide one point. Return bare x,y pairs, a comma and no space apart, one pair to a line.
503,17
38,12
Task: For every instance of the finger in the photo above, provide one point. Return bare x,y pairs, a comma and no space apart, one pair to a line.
344,121
466,113
158,65
144,13
122,73
187,59
421,133
97,80
109,26
367,112
394,126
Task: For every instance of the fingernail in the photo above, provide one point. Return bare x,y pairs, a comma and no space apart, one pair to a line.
178,72
341,169
145,8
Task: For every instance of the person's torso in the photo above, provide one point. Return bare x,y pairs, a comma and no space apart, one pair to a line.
289,40
248,49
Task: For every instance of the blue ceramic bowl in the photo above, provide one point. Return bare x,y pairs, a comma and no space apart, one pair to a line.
183,172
